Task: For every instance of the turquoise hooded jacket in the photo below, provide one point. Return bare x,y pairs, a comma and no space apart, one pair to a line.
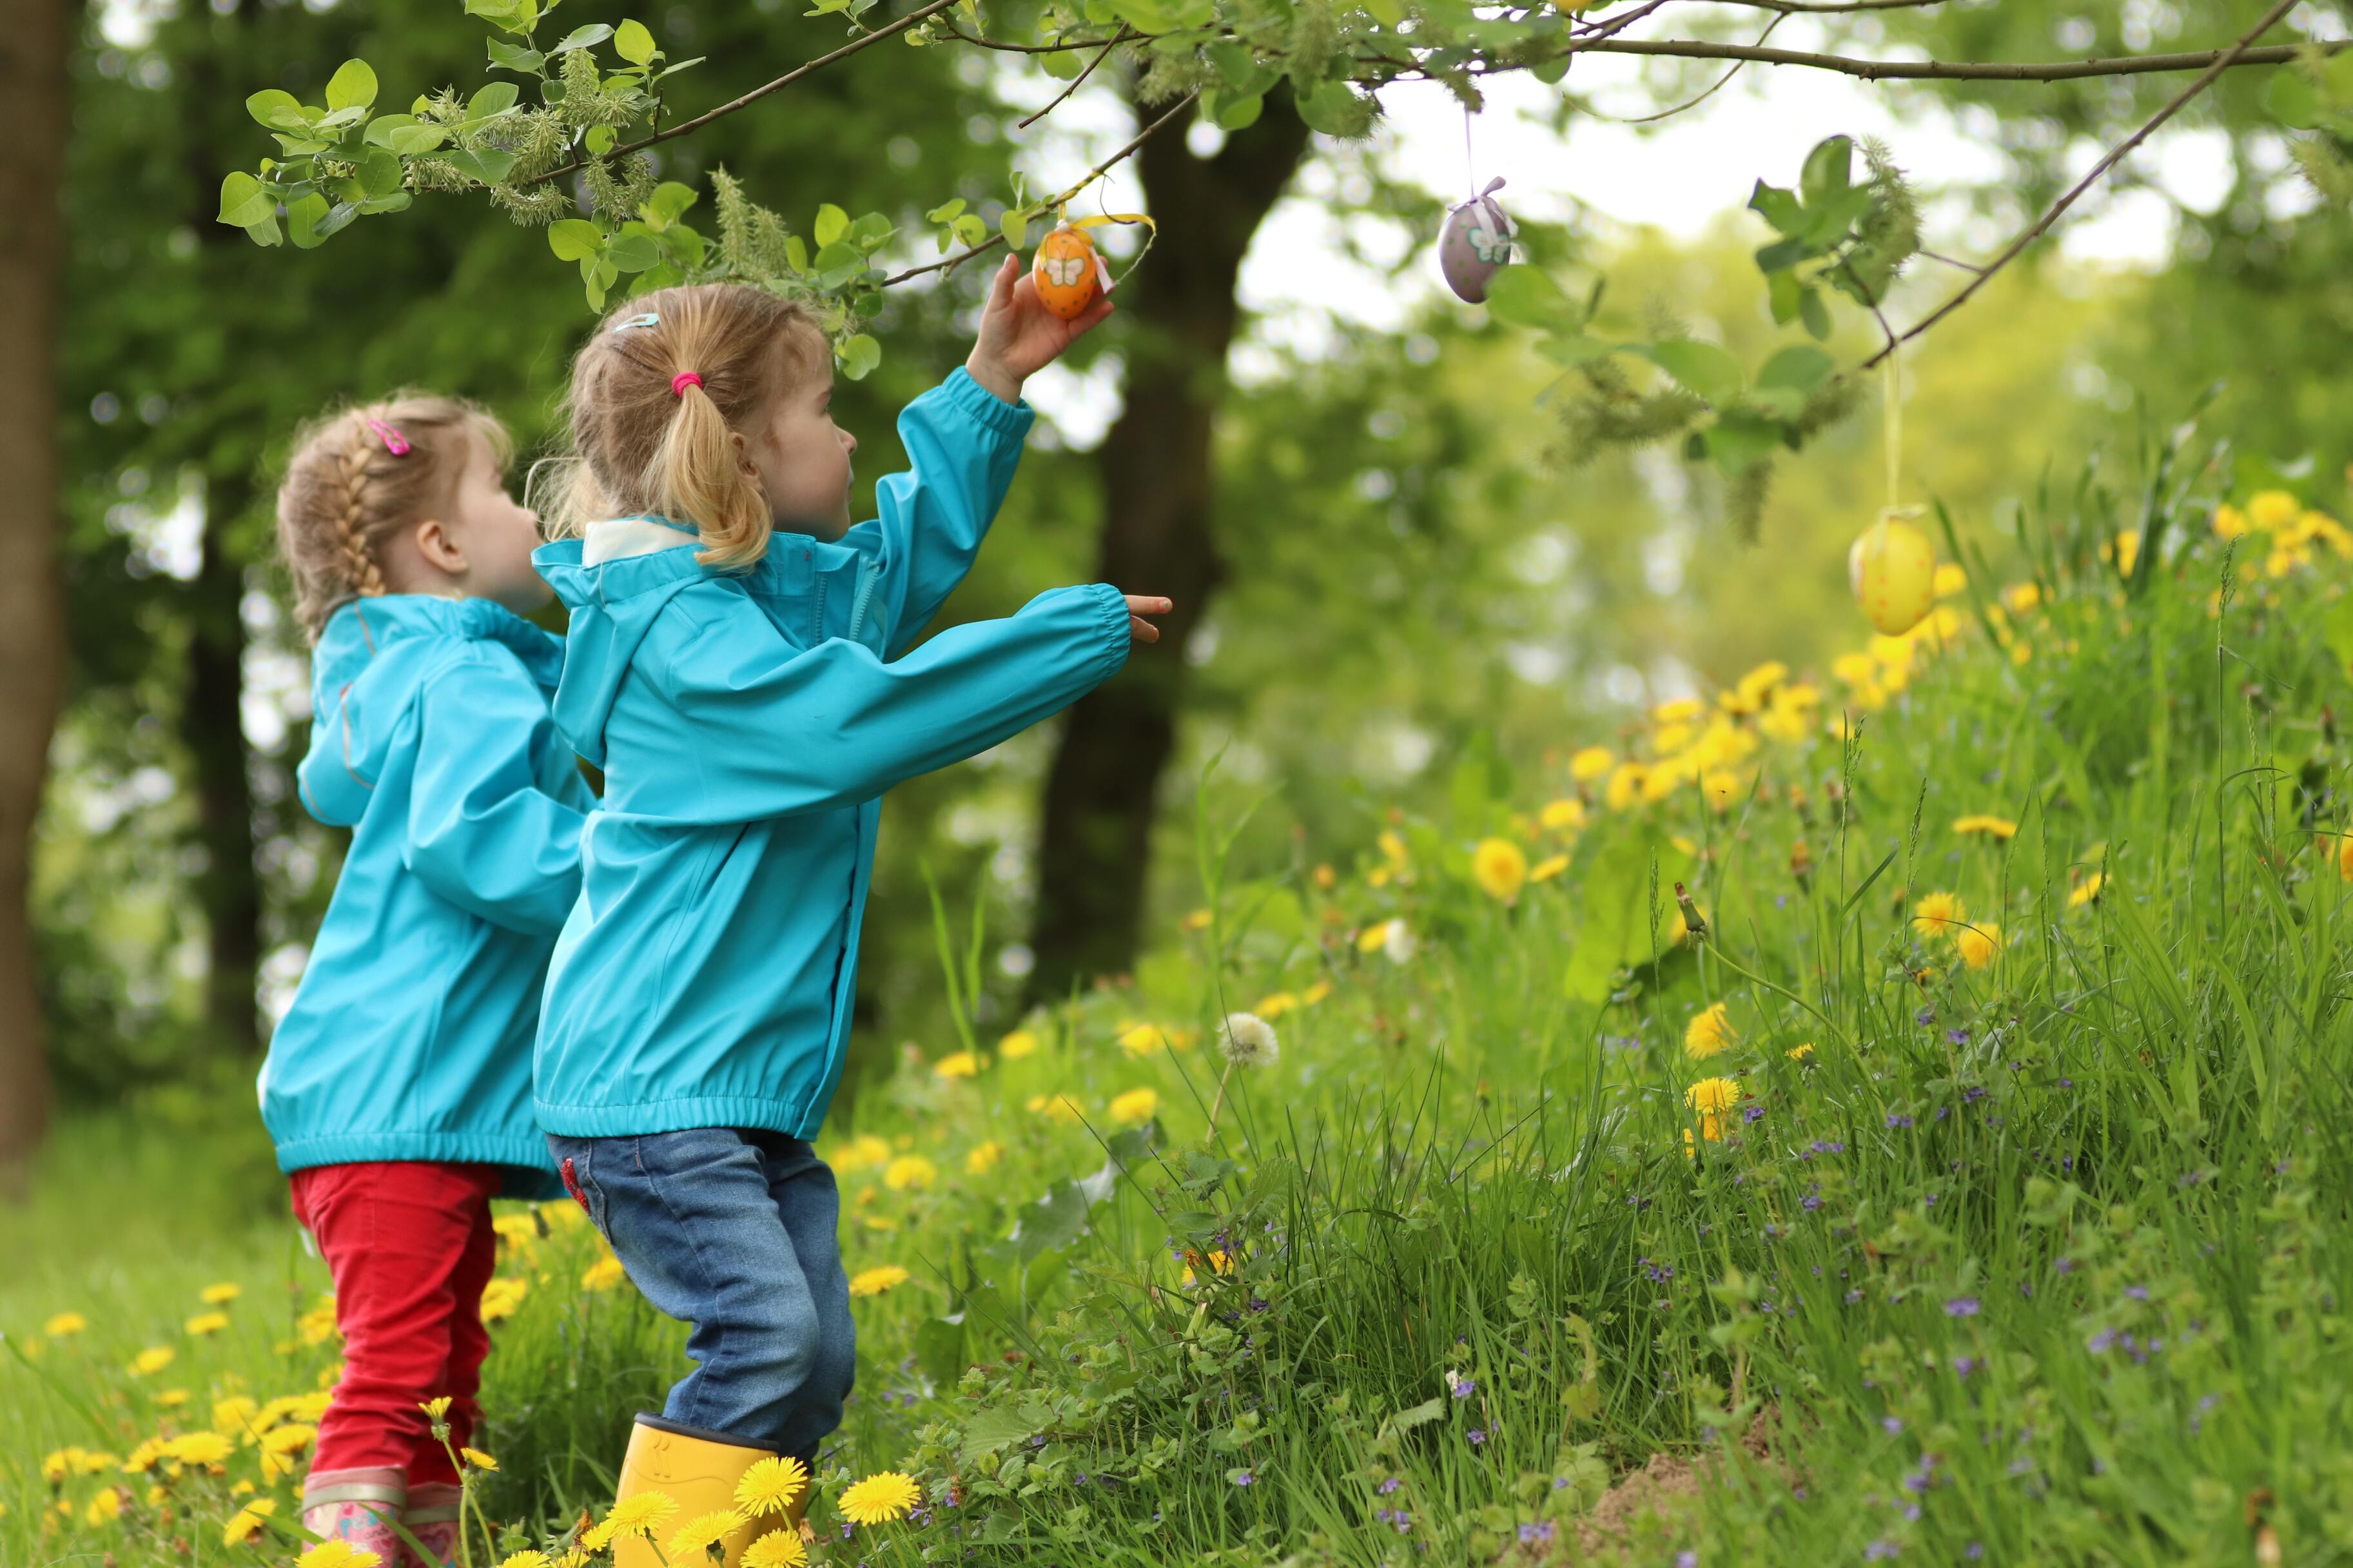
748,723
410,1036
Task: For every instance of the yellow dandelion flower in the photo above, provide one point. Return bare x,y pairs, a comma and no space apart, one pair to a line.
519,1231
1143,1039
1018,1044
204,1323
640,1514
220,1295
1708,1033
1564,816
2087,890
478,1459
1136,1107
1199,920
983,1158
880,1498
2273,511
910,1170
1938,914
861,1152
289,1439
339,1554
957,1064
1804,1053
435,1408
2230,523
1276,1004
1949,580
606,1274
874,1281
1671,738
64,1325
2128,550
501,1296
771,1486
142,1459
1545,869
104,1509
246,1523
778,1549
697,1536
1628,782
155,1358
171,1398
233,1416
198,1448
1055,1107
1991,826
1500,868
1677,710
1978,945
1314,994
1392,847
1713,1096
1590,764
528,1557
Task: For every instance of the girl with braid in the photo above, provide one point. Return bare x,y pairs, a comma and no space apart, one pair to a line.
397,1088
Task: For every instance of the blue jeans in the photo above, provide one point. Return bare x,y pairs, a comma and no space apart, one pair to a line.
733,1231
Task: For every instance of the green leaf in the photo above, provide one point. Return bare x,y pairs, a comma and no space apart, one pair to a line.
336,118
1801,367
2338,631
1738,441
870,231
303,217
634,43
632,252
1828,221
411,139
838,263
1778,207
1705,370
264,233
667,202
339,217
1815,313
1014,226
278,109
1573,348
1548,72
970,230
831,224
575,239
1059,1218
1527,296
993,1429
2293,100
595,33
1421,1414
939,1350
1782,289
493,100
506,14
352,87
488,165
515,57
1615,930
599,140
297,146
1062,64
796,252
946,212
379,173
246,201
1239,113
858,355
397,202
1828,170
1333,109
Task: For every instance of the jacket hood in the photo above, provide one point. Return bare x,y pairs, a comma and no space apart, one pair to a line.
371,662
613,604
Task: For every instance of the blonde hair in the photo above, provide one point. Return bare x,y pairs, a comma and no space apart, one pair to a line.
347,490
639,449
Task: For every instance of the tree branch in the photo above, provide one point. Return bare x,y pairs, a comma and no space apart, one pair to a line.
2223,60
949,264
888,30
1123,36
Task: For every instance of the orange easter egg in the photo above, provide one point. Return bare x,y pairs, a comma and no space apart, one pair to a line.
1893,570
1068,272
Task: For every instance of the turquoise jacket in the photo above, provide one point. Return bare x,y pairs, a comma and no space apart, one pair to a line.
748,723
410,1036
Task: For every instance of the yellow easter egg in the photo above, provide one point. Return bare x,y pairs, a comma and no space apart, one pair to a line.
1066,271
1893,570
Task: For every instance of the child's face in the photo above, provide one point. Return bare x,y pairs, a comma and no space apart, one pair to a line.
495,534
801,456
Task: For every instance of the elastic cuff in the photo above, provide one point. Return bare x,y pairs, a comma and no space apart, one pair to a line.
970,397
1118,641
700,1434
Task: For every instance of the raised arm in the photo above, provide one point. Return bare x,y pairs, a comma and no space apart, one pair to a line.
963,445
481,832
775,730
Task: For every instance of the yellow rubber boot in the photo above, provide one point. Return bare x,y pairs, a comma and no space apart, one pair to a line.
698,1474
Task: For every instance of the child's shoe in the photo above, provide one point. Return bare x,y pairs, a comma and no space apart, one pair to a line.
359,1507
699,1472
433,1518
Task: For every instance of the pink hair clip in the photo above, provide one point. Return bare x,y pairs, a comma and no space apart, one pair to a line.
681,380
394,441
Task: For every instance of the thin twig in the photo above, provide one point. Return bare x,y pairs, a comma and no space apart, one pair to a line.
866,40
1001,45
950,263
2206,79
1694,103
1080,80
1951,260
1824,8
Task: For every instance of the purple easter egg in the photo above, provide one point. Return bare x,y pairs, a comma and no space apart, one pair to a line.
1477,240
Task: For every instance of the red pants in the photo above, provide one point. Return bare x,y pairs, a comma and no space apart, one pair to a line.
410,1246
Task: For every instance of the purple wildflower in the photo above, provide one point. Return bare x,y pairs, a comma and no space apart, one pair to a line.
1961,1306
1394,1482
1897,1119
1464,1388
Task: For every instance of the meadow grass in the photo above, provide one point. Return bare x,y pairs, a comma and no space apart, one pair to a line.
1970,1188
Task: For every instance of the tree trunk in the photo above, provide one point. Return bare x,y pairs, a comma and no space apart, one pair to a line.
35,108
212,728
1158,482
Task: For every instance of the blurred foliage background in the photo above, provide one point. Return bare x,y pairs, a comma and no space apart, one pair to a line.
1416,570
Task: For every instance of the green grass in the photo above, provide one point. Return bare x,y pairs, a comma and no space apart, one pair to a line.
2042,1261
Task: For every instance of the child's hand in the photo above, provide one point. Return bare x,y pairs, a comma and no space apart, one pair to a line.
1139,606
1019,336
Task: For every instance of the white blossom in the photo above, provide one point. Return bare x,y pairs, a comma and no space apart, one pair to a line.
1248,1041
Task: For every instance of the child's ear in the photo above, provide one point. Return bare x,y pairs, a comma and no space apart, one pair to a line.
439,547
743,463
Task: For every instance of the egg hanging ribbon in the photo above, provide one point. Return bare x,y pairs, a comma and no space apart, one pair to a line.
1892,567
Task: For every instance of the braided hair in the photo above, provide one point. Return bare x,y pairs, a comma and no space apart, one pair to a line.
358,477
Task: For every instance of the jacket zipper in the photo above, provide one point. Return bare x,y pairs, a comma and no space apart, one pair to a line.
868,575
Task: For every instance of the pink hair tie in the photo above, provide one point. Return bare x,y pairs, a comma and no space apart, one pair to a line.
681,380
394,441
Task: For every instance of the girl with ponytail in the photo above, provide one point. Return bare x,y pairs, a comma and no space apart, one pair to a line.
737,663
397,1086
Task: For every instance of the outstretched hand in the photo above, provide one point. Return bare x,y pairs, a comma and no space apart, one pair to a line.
1140,605
1019,336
